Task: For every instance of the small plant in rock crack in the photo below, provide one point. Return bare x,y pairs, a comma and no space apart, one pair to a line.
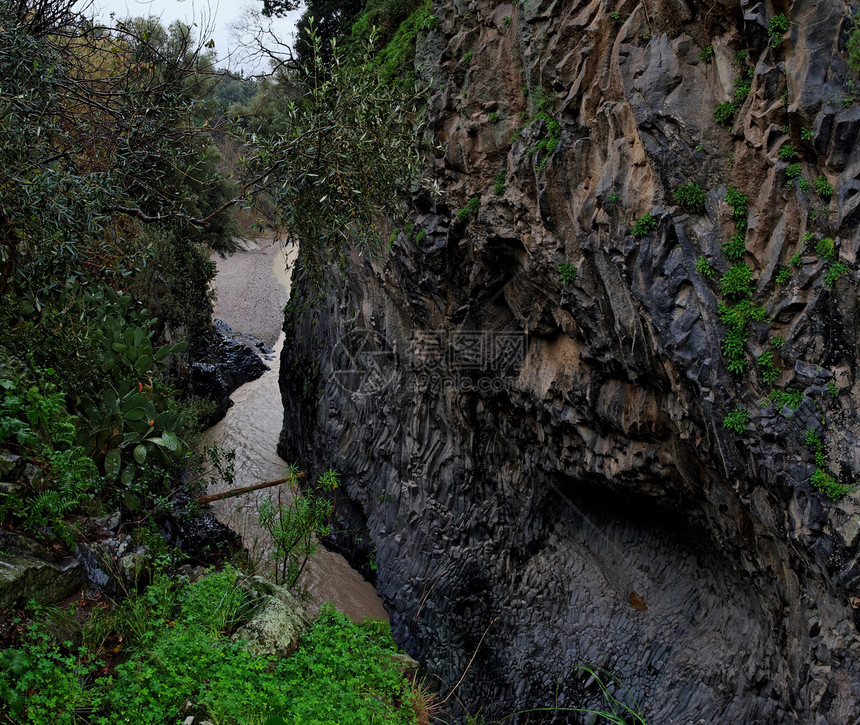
705,268
777,342
826,249
737,200
783,276
737,420
779,25
691,197
822,479
470,209
787,151
724,113
807,133
734,247
804,185
566,273
737,281
707,53
644,225
796,260
834,272
493,117
743,85
769,369
833,389
823,187
499,186
792,171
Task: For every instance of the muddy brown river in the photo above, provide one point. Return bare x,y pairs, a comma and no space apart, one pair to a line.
251,281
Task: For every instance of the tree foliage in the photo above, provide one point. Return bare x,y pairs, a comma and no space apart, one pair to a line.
338,153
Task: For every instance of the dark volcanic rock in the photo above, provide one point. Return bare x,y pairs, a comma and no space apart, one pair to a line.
548,463
226,365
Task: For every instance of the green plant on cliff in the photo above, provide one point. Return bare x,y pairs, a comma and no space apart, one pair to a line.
737,420
724,113
822,479
735,247
644,225
823,187
737,282
852,47
769,369
834,272
567,273
787,151
691,196
471,208
705,268
778,26
550,129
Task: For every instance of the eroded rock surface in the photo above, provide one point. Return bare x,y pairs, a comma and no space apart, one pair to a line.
547,462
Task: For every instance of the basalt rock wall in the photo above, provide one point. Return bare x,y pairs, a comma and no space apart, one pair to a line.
537,457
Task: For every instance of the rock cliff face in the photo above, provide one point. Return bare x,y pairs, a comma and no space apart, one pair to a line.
542,459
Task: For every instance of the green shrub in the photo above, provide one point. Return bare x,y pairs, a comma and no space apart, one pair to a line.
783,276
734,247
737,420
804,185
493,117
796,260
743,85
769,369
826,249
470,209
852,48
704,268
823,187
644,225
499,186
733,346
737,201
788,151
737,281
822,479
792,171
777,342
567,274
724,113
779,25
833,389
707,53
691,197
834,272
807,133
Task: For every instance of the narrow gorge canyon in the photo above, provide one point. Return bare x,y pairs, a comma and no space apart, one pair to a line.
567,434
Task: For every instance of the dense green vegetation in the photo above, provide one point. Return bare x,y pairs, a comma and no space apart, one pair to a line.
140,662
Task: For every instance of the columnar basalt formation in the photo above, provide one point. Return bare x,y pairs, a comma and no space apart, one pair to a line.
545,463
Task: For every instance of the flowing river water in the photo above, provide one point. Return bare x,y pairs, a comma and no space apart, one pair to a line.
252,288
